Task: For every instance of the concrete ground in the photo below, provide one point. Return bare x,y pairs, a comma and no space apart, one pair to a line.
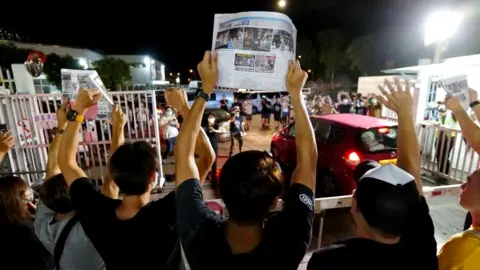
447,215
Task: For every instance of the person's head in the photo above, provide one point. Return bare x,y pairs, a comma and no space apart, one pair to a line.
362,103
133,167
142,104
168,111
279,100
251,183
442,109
373,101
54,194
211,118
470,195
14,198
383,201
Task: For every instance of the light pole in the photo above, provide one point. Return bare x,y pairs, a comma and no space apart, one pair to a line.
439,27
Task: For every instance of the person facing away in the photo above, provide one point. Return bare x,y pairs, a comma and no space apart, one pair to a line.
122,231
251,183
393,227
224,103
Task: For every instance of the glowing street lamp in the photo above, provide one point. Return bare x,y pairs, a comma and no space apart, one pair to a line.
177,80
299,57
191,71
282,3
440,26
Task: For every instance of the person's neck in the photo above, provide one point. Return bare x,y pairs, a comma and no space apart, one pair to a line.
131,205
476,219
62,216
371,235
243,238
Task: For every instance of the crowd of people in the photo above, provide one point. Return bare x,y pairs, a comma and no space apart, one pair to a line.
75,226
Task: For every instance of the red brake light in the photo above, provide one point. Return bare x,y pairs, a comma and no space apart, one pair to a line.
383,130
353,157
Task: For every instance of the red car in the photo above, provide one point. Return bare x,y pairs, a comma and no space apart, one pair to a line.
343,141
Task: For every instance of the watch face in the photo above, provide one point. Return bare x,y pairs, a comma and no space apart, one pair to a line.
71,115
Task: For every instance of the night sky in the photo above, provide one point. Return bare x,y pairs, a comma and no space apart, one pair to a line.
177,32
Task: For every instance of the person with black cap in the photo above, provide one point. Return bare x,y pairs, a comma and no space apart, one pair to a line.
393,227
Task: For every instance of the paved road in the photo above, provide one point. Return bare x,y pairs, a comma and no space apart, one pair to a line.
447,215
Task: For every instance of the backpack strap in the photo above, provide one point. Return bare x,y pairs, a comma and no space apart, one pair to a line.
62,239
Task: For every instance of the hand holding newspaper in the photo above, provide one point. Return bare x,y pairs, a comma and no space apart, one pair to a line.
457,86
253,49
73,80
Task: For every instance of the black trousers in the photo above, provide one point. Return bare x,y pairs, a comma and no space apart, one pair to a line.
444,147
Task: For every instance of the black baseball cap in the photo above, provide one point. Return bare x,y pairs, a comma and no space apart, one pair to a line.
386,196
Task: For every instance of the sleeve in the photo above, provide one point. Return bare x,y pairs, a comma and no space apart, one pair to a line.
420,237
43,215
456,252
167,208
191,210
296,221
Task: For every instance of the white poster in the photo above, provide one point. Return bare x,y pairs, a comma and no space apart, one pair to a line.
457,86
253,49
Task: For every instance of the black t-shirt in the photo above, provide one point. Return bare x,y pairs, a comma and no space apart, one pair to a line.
21,248
277,109
361,110
224,104
417,249
212,136
344,108
145,241
266,107
286,235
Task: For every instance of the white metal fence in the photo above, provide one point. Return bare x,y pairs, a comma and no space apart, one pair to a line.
32,117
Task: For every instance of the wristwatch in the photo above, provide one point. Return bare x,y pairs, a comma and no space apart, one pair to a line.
475,103
73,116
56,131
202,94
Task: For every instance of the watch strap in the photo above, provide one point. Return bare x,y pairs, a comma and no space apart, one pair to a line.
79,118
202,94
475,103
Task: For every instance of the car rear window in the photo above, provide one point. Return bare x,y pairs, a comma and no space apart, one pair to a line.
379,139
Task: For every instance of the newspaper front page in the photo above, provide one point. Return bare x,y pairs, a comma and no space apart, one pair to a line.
457,86
253,49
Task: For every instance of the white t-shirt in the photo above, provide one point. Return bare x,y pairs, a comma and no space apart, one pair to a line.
248,107
170,130
141,114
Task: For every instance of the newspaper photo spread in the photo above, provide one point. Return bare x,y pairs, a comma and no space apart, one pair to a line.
73,80
253,49
457,86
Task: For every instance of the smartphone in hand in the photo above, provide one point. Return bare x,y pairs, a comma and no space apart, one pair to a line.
3,129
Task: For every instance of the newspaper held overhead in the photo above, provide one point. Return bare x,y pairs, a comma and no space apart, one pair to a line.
73,80
457,86
253,49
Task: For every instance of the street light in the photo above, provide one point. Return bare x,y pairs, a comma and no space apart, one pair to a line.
440,26
191,71
309,71
282,3
171,74
177,80
178,74
299,57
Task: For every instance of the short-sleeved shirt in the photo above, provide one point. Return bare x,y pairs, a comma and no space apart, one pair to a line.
286,235
236,126
78,253
145,241
461,251
212,136
416,249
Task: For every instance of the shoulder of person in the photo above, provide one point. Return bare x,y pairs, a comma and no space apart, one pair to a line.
332,255
459,249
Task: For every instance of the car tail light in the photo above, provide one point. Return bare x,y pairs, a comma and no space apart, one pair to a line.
383,130
352,158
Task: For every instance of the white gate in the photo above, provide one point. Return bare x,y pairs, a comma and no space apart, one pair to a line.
32,117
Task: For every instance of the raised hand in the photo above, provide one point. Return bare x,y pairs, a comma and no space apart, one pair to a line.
6,142
119,118
398,100
296,78
207,69
473,95
177,98
87,98
62,116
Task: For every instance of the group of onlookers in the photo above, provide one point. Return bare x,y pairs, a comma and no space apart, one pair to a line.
75,226
357,104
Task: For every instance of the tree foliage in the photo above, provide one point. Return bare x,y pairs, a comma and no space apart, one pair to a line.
307,50
9,54
54,64
113,71
332,44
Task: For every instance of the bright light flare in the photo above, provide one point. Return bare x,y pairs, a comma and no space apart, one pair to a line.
441,25
282,3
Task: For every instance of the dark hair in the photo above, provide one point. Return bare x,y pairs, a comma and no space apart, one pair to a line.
54,194
12,206
249,183
132,165
211,114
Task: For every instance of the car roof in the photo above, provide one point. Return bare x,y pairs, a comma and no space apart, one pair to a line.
356,120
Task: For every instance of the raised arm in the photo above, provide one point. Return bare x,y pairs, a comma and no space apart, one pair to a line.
470,130
177,98
69,143
52,163
185,166
119,119
306,170
6,143
400,101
